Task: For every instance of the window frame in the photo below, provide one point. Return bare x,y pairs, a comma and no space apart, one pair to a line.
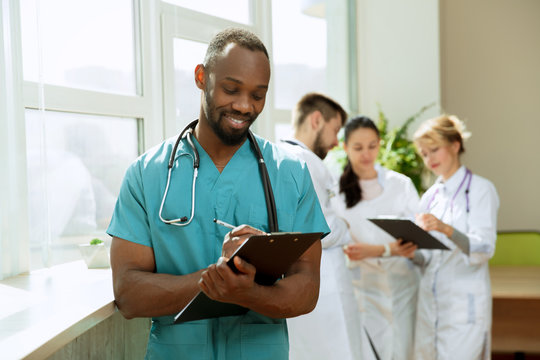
14,235
187,24
18,94
154,23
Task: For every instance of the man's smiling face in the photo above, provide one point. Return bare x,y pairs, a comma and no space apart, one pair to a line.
235,92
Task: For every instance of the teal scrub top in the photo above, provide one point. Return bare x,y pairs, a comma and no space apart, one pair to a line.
236,196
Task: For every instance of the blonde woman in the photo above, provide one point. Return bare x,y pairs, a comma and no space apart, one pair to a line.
454,299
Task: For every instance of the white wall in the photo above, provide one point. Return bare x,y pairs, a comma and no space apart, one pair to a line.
398,54
478,59
490,70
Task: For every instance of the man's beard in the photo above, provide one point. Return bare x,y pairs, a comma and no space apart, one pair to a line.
215,120
318,147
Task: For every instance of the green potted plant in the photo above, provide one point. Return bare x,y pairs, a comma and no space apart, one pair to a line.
95,254
397,151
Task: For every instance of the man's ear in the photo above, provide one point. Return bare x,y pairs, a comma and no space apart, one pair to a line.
316,120
200,76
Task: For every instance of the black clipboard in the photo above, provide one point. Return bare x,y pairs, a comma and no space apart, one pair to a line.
409,231
272,255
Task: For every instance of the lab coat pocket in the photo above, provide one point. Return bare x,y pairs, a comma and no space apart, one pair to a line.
468,308
185,341
264,341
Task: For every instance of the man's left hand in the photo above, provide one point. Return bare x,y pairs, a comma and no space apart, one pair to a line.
219,282
236,237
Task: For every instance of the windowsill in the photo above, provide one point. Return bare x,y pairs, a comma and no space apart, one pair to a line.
43,311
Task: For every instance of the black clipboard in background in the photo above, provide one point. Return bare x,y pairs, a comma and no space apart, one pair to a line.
409,231
272,255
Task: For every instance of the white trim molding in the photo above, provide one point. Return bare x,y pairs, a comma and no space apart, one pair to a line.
14,258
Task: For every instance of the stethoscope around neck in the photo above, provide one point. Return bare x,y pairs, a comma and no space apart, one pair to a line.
187,132
468,175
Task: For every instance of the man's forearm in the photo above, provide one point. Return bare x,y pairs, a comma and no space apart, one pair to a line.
145,294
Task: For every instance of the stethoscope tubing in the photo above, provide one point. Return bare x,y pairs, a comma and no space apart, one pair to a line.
268,193
180,221
468,174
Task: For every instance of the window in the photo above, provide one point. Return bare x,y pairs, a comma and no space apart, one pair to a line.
76,164
235,10
87,86
299,55
313,43
83,117
80,44
299,52
187,54
185,36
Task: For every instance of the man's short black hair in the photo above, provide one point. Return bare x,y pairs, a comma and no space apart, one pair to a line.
242,37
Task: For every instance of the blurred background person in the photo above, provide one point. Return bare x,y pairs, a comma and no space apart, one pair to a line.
454,299
331,330
385,281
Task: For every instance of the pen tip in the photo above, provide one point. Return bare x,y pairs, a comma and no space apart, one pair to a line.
215,220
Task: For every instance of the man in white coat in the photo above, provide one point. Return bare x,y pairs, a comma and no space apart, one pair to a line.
331,330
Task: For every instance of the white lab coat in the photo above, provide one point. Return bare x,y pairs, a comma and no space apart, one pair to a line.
385,288
454,299
331,329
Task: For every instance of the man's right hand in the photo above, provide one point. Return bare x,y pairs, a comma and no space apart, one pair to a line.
236,237
219,282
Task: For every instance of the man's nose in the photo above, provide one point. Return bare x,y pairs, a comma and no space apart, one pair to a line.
242,104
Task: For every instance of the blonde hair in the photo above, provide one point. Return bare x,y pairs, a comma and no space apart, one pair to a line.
441,130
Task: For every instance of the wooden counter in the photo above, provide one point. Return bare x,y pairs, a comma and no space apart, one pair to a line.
43,311
516,308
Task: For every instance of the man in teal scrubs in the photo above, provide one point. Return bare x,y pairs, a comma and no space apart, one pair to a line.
158,267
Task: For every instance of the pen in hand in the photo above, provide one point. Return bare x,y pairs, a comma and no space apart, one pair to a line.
223,223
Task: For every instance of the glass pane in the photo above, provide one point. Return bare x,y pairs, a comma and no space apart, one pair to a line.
235,10
76,164
81,44
299,53
187,54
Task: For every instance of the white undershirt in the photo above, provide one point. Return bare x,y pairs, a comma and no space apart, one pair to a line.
370,188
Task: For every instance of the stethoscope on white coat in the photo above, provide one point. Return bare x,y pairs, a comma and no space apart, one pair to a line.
468,174
268,193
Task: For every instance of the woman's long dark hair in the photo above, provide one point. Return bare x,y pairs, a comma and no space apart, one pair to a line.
348,182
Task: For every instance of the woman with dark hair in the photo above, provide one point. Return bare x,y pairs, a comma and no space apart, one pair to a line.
384,279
